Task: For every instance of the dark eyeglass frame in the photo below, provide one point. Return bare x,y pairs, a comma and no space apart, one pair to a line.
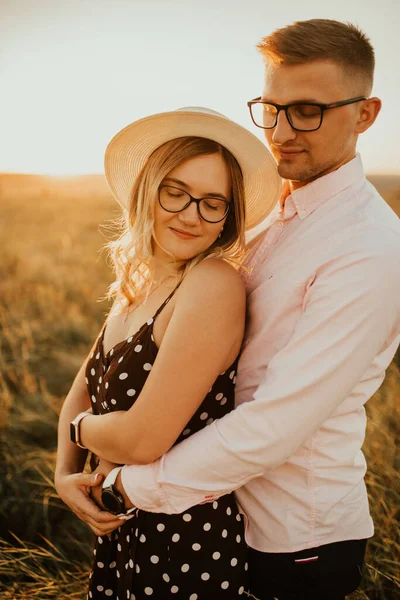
285,107
196,201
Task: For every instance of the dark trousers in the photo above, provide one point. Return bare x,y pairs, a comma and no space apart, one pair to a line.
335,572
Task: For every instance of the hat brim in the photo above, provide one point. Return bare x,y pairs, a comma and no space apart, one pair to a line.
129,150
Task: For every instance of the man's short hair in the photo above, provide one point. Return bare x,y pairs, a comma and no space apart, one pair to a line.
323,39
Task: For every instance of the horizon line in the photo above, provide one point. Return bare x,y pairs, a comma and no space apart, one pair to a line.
96,174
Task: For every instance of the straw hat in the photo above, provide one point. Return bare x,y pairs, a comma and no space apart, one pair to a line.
129,150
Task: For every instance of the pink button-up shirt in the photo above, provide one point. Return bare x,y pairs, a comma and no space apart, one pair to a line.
324,324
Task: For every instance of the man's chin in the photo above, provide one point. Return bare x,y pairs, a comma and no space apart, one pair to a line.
293,173
287,171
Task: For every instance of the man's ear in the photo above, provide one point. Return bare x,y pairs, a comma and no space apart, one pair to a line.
369,110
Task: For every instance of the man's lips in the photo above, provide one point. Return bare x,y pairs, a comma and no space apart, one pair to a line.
183,234
288,152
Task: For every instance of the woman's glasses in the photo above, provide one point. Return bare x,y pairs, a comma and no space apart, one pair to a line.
175,200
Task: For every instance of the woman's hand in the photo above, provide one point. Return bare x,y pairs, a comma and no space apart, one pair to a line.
75,490
103,469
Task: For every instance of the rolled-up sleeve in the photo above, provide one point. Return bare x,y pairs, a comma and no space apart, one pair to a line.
350,314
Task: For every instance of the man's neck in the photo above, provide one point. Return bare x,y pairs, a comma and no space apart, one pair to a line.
290,185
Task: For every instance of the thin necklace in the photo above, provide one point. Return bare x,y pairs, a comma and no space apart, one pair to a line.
130,310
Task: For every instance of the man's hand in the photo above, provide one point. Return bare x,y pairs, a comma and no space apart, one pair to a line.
74,489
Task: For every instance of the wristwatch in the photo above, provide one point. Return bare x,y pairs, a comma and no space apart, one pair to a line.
74,428
111,498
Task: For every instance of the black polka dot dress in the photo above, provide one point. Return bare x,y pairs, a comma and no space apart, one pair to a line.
197,555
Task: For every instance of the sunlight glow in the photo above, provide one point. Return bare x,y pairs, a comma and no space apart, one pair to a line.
72,74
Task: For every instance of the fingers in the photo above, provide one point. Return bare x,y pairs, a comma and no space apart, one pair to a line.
101,519
88,479
105,526
96,514
103,530
83,503
100,528
101,533
92,512
75,494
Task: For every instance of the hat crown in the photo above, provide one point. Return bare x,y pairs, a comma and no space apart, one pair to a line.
201,109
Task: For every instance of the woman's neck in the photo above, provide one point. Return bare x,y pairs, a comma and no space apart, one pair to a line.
162,270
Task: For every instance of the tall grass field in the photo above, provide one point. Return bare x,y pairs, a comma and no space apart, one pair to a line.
52,275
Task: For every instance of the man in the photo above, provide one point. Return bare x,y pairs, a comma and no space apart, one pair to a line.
324,324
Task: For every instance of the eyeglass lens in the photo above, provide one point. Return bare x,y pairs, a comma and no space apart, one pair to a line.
175,200
305,117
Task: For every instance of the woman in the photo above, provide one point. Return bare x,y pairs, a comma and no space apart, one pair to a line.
164,364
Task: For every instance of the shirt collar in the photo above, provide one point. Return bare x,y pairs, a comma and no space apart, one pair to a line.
306,199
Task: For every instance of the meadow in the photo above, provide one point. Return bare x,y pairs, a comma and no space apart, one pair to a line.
52,275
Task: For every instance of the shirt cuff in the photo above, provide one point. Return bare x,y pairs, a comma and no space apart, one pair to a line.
148,489
142,488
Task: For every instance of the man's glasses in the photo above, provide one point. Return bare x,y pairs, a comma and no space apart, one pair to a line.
302,116
210,209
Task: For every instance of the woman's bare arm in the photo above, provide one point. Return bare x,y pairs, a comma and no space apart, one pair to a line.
71,484
205,330
71,458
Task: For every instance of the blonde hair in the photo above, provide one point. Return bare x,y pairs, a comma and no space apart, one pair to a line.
131,253
323,39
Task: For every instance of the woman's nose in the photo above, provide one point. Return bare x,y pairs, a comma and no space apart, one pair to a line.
190,214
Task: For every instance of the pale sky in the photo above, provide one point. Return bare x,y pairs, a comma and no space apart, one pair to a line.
74,72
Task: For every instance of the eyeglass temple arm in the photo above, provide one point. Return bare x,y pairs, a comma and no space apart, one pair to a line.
325,106
343,102
250,102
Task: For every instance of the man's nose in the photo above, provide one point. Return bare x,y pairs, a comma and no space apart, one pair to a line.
283,131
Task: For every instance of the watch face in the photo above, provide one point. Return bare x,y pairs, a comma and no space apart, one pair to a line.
113,503
72,432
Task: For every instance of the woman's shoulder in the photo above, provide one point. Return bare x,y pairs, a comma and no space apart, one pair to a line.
212,278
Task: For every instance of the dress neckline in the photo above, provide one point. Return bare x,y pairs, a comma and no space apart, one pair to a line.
149,323
128,340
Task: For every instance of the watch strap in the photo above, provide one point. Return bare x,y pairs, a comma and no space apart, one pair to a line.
111,477
76,424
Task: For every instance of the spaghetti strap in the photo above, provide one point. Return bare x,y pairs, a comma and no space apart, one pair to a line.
159,310
145,325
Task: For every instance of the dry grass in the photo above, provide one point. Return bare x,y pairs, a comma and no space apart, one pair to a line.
50,278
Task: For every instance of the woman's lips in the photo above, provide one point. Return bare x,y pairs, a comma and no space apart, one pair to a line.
183,234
